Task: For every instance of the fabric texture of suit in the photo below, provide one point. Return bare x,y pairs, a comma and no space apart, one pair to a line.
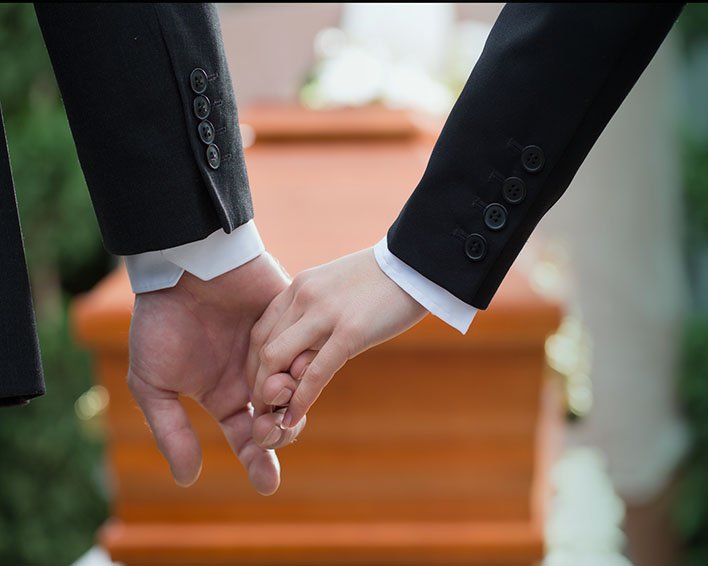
124,74
20,364
549,79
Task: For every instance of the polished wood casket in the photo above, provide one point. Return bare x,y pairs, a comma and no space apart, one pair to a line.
430,449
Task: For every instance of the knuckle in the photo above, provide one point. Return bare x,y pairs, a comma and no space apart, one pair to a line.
315,375
136,385
322,322
258,333
266,354
306,294
300,280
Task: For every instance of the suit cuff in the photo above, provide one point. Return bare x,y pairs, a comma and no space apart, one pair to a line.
440,302
208,258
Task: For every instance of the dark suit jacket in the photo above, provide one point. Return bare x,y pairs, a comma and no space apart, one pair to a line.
549,80
137,109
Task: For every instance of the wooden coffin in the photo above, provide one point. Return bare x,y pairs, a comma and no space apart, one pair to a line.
429,449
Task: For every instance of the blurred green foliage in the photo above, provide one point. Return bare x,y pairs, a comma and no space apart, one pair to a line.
693,24
691,505
695,182
51,493
691,512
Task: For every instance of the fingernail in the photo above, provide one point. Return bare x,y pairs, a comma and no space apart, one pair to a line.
279,417
302,373
282,398
272,437
287,419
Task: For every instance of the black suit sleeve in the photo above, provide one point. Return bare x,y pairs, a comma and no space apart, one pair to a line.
20,363
549,79
125,74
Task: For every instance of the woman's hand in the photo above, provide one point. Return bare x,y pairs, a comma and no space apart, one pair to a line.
328,315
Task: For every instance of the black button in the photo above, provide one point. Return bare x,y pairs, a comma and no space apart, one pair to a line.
198,80
206,131
201,106
495,216
514,190
532,158
476,247
213,156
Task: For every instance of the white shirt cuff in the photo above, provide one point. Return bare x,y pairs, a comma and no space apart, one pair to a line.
439,301
208,258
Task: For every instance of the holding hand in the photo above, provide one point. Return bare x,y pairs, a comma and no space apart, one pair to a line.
328,315
193,340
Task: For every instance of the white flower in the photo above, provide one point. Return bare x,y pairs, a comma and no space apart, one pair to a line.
354,77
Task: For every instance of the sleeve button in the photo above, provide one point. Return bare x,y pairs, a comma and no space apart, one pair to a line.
206,131
202,107
198,80
514,190
476,247
532,158
495,216
213,156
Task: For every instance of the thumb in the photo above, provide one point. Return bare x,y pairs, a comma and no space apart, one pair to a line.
171,428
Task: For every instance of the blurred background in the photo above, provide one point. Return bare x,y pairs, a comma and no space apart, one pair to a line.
641,394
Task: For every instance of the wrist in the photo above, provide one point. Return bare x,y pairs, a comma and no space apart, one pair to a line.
437,300
396,288
215,255
258,277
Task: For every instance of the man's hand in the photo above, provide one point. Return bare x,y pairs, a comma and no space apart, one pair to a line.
193,340
328,315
